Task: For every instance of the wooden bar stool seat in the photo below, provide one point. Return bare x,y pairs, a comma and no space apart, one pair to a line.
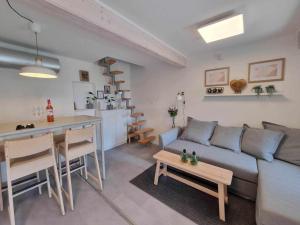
59,138
78,144
76,150
28,156
29,165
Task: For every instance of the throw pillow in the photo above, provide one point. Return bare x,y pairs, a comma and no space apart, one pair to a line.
228,137
261,143
199,131
289,149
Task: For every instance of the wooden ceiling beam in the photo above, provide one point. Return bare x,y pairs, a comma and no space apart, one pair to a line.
95,13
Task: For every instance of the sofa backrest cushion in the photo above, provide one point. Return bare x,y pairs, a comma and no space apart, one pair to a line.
261,143
228,137
289,149
199,131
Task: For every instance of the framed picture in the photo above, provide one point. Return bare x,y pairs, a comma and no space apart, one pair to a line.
84,76
106,89
100,94
217,77
265,71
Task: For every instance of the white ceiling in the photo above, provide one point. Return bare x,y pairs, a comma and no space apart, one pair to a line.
173,21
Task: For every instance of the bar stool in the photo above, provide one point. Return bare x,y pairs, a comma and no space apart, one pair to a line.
2,159
28,156
78,143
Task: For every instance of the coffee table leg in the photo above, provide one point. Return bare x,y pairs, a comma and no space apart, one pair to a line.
226,194
165,170
221,192
157,172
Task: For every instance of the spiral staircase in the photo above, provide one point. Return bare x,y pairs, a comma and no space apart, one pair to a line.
136,129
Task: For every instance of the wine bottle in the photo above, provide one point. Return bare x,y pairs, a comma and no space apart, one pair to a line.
50,114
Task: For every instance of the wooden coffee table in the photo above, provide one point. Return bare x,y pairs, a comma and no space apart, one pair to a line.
220,176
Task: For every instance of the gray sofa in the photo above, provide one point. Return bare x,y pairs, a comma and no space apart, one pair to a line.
274,185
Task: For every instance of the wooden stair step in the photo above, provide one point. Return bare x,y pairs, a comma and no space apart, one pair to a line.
131,107
107,61
137,114
144,130
125,99
130,135
118,82
113,73
125,90
147,140
138,123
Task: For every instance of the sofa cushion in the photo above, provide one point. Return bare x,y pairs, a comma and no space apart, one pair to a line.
243,165
199,131
278,199
227,137
289,149
261,143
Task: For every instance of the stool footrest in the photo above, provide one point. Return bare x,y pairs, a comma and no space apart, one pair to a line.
29,188
20,182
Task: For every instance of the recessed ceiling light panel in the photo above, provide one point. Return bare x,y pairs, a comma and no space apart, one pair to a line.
223,29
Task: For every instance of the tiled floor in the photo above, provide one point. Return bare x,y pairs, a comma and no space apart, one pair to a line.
120,203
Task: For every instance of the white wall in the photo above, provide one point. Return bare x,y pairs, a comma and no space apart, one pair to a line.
155,88
19,95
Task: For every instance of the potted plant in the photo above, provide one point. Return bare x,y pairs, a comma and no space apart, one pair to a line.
270,89
90,100
258,90
109,100
173,113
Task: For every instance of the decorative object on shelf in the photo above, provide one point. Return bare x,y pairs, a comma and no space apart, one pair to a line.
91,100
215,90
100,94
270,89
258,90
238,85
84,76
266,71
173,113
194,159
109,101
184,156
106,89
217,77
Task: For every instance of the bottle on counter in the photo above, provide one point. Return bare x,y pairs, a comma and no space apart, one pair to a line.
50,114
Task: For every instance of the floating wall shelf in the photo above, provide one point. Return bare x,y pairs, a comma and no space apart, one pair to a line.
242,95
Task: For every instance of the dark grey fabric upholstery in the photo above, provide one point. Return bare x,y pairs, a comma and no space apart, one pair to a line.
243,166
289,149
227,137
261,143
278,193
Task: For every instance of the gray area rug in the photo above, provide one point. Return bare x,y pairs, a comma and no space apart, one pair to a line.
193,204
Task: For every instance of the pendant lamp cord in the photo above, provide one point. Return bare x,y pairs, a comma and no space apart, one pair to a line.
28,19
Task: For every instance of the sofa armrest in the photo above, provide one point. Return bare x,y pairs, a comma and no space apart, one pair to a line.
168,137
